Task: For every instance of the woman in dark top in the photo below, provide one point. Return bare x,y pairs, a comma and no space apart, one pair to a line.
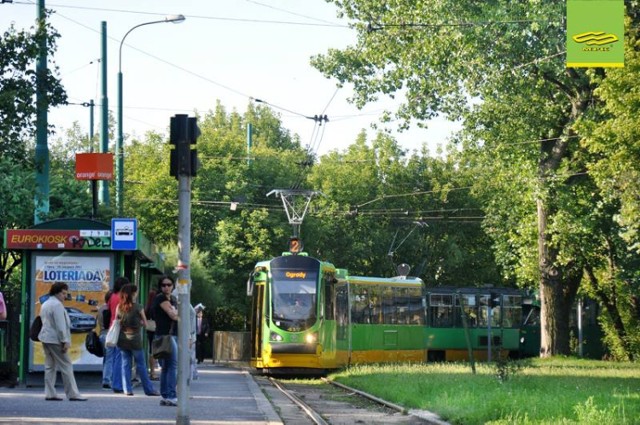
165,310
132,321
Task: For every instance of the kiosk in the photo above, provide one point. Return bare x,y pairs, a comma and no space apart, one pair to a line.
87,255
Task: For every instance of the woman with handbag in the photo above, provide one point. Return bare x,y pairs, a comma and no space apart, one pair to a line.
165,310
132,321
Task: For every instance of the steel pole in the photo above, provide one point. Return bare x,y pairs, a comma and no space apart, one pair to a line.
41,200
104,113
184,297
119,147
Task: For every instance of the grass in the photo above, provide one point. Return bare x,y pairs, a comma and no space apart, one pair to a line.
535,391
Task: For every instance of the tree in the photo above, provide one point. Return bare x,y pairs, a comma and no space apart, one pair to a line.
381,208
497,67
18,53
611,141
231,241
16,206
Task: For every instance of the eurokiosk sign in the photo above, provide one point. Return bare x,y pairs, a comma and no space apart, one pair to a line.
78,252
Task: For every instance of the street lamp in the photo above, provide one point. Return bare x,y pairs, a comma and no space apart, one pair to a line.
176,19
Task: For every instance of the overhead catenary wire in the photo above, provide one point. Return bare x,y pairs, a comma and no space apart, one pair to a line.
318,136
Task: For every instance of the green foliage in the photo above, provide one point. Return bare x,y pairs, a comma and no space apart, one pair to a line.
229,319
16,194
18,53
231,241
457,396
382,208
203,289
506,368
589,414
612,135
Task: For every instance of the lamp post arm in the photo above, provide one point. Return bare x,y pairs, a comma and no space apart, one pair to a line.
120,141
125,36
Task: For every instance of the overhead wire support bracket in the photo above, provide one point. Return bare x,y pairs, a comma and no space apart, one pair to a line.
296,204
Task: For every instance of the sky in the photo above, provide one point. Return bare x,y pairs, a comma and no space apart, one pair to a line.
231,51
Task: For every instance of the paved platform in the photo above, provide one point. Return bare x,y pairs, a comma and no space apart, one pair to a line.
221,395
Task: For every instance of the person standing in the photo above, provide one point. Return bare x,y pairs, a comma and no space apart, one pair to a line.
165,310
202,333
55,336
132,321
104,318
114,352
3,308
151,331
192,344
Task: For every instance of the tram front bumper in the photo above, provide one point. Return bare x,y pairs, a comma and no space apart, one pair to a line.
292,355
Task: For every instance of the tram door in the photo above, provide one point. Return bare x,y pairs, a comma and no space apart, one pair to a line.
257,325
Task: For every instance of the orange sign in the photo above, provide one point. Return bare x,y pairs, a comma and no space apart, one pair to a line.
94,166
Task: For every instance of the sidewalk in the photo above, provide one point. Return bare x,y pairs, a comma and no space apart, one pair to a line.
221,395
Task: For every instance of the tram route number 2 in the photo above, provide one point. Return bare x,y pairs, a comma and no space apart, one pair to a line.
295,245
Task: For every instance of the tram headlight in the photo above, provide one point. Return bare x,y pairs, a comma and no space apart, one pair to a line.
275,337
311,338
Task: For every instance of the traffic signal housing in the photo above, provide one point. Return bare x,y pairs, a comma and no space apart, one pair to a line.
184,132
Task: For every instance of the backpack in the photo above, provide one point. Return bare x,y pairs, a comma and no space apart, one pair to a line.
35,329
93,345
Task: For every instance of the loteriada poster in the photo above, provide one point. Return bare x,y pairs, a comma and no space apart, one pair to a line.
89,278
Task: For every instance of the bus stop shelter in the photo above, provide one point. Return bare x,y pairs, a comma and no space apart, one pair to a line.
88,255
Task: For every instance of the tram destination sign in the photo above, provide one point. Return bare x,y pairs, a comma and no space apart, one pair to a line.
85,240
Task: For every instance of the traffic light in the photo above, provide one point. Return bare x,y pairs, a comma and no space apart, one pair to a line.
184,132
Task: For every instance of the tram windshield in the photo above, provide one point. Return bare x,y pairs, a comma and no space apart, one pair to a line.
294,299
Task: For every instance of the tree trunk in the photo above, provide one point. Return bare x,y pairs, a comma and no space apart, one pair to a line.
558,288
558,284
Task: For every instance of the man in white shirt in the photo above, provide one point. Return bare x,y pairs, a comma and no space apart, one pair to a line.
56,342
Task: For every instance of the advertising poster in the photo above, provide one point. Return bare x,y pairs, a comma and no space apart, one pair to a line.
89,279
595,33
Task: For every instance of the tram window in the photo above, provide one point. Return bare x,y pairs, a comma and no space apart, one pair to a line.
388,306
483,312
402,305
360,311
512,311
471,309
533,317
441,310
342,312
416,308
374,309
328,296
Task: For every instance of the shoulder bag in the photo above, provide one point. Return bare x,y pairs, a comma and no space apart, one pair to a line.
162,347
35,329
111,339
151,325
93,345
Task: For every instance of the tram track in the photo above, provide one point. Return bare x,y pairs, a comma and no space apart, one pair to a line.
301,403
314,416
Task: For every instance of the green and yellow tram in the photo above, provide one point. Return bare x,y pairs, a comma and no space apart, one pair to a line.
309,317
489,327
